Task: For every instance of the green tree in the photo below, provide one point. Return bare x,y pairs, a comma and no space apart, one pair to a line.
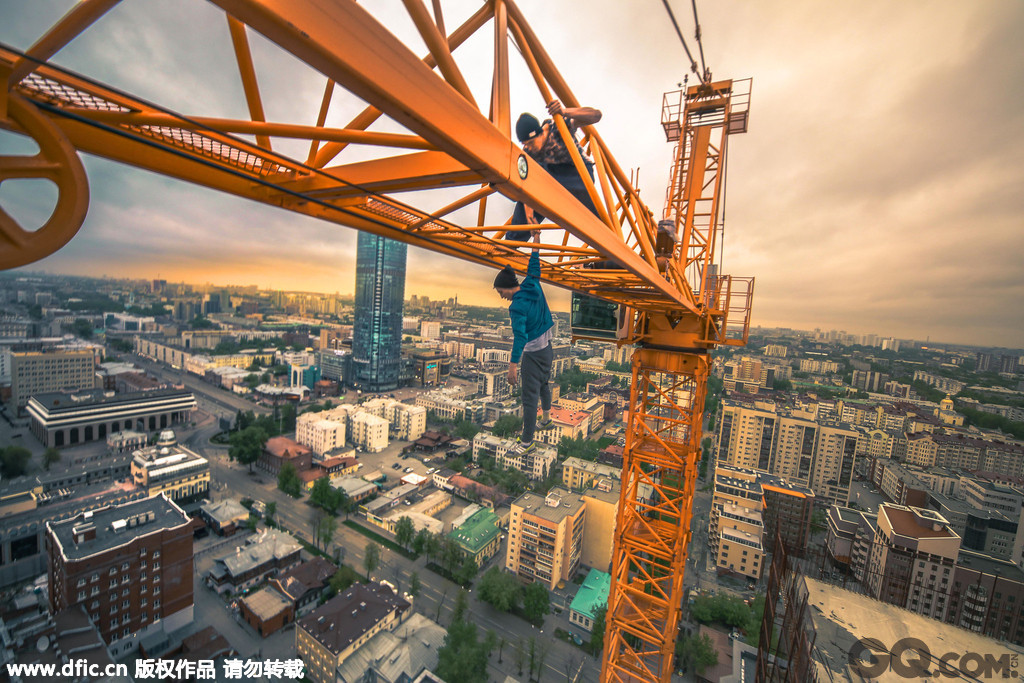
415,585
697,652
50,457
343,578
467,570
536,602
371,558
82,328
499,589
432,546
252,522
247,445
14,461
288,480
451,555
404,531
327,527
596,643
466,429
419,543
325,496
463,658
506,426
578,447
271,511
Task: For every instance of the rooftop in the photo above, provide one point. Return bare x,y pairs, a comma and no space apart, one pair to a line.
271,544
283,447
116,526
556,506
841,618
989,564
266,603
593,594
224,511
343,619
59,402
916,522
478,531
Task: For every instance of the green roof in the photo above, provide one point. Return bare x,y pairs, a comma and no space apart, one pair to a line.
477,532
593,594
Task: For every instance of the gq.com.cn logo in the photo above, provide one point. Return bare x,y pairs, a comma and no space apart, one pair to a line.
911,658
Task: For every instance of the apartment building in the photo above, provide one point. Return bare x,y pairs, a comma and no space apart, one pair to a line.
331,633
536,464
545,539
321,432
749,510
579,475
789,443
568,424
912,560
602,509
129,566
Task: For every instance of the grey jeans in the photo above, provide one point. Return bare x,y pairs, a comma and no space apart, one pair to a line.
535,370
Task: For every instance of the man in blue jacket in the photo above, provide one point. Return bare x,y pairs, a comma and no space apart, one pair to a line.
532,330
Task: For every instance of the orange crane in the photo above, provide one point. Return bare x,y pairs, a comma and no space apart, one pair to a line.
453,153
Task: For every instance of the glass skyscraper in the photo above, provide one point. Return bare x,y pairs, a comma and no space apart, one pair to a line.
377,332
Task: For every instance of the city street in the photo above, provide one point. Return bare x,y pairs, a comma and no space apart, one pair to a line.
437,594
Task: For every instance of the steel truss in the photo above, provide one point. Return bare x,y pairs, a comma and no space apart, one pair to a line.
428,185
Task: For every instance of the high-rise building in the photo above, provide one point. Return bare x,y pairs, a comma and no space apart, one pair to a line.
546,536
52,369
377,333
129,566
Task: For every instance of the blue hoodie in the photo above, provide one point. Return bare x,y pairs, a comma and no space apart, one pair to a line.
529,309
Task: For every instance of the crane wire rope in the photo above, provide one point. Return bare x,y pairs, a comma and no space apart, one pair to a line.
693,64
700,45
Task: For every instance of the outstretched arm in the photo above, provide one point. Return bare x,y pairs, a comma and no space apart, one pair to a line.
581,116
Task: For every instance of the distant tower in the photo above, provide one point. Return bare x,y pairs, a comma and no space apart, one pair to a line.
377,333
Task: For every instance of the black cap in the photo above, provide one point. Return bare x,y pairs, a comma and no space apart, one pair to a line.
527,126
506,279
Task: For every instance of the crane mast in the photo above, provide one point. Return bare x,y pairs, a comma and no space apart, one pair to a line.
670,367
430,186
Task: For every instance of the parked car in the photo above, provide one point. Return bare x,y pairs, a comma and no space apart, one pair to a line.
408,470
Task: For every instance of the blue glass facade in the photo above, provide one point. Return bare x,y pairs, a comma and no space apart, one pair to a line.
377,330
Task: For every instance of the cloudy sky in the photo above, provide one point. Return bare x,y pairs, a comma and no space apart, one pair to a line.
878,190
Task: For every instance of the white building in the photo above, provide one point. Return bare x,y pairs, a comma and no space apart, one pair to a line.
430,329
321,432
369,432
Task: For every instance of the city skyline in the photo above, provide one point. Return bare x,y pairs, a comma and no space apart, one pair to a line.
875,191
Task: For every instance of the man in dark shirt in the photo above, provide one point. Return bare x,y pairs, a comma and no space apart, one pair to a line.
544,144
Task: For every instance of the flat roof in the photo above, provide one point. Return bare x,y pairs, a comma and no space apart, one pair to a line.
58,402
114,526
905,522
841,618
266,603
536,505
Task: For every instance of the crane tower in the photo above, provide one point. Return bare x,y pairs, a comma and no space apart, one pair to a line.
410,139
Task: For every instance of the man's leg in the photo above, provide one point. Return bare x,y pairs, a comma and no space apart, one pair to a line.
544,358
532,376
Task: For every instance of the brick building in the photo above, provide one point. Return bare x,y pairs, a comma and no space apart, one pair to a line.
129,566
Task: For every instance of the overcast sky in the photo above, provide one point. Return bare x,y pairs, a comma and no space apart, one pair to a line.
880,188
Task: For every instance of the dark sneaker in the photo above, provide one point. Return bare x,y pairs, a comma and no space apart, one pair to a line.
546,424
